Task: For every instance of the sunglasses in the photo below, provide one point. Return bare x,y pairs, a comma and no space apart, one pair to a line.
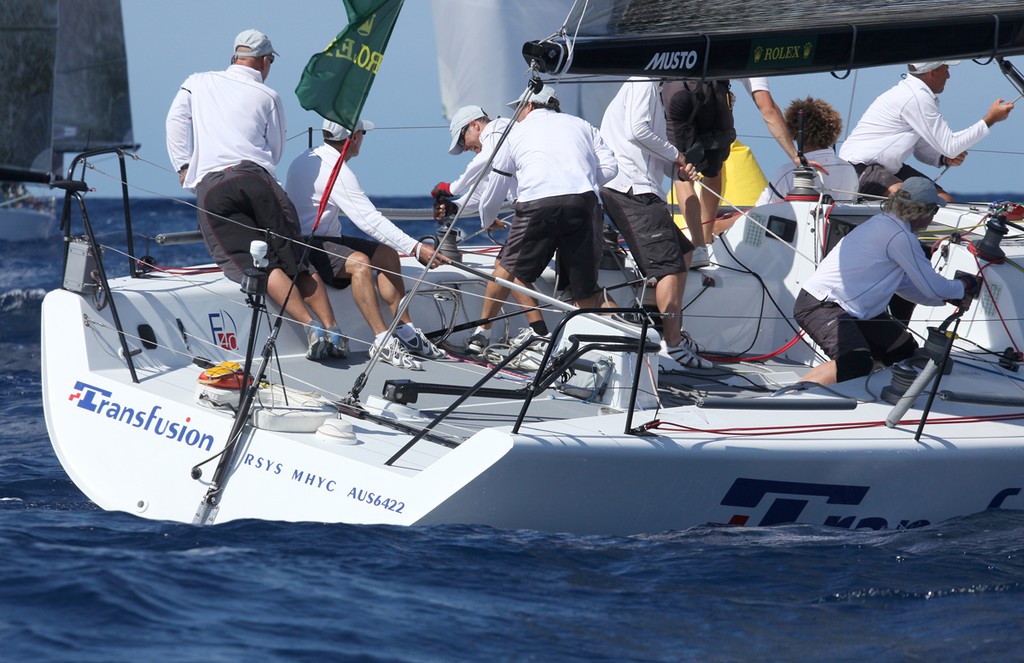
462,136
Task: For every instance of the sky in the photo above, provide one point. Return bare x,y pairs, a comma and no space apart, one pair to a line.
407,154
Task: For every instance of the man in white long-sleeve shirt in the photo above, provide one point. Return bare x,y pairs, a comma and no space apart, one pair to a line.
842,306
906,119
473,131
341,260
225,135
559,163
633,126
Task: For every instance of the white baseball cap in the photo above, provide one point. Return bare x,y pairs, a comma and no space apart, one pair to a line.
925,67
335,131
255,40
542,97
460,119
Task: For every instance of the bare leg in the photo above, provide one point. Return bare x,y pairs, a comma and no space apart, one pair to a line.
690,206
389,278
364,294
711,189
278,285
314,294
668,294
824,374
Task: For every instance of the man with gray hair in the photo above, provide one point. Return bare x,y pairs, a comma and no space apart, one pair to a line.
842,306
905,120
225,136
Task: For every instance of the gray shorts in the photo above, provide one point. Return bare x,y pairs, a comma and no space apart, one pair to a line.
658,245
875,179
837,332
329,255
568,224
244,203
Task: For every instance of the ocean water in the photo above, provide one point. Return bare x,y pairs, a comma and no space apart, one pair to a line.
81,584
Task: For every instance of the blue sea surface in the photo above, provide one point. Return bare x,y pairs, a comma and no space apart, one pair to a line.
81,584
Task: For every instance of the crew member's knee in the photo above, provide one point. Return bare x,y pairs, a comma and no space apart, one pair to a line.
357,264
855,364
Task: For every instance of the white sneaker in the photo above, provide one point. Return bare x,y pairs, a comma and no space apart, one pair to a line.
393,352
421,346
530,358
701,257
688,342
524,335
681,357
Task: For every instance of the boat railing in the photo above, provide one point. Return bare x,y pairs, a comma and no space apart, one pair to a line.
93,261
552,366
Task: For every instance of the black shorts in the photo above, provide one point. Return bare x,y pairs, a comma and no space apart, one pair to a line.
329,254
700,122
244,203
875,180
568,224
658,245
837,332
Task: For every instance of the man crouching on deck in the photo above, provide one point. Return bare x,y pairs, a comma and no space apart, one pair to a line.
842,306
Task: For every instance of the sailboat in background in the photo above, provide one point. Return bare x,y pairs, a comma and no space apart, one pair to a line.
66,90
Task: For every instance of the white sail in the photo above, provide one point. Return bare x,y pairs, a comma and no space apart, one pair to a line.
479,54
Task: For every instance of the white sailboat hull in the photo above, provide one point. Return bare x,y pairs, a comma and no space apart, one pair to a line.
805,457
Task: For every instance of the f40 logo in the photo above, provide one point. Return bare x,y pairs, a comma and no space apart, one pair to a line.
223,330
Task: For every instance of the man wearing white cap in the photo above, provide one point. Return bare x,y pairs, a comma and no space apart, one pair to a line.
842,306
342,260
559,163
906,119
472,130
225,136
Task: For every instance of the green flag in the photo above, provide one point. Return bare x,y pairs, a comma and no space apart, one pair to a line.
337,81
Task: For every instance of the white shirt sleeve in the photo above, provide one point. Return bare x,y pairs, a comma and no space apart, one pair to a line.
178,127
607,165
348,195
936,137
922,284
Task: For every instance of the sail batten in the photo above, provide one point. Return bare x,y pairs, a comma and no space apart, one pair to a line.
682,38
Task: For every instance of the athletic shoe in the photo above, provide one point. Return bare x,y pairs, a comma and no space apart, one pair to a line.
337,342
701,257
393,352
530,358
477,343
421,346
524,335
316,336
681,356
688,341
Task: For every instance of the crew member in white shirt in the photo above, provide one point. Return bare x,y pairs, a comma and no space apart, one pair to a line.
341,260
559,162
822,126
225,136
906,119
633,127
473,131
842,306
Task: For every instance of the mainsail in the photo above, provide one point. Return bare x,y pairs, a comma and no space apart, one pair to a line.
28,49
476,43
737,38
65,84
